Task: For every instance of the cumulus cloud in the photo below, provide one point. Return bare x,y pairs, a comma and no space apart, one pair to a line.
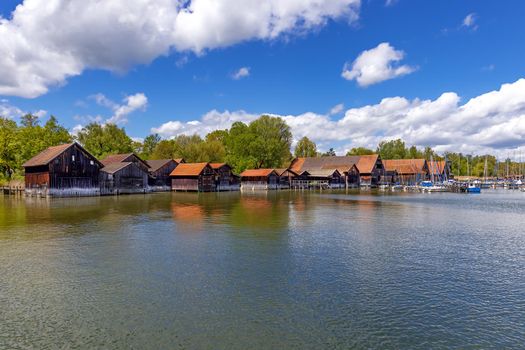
470,21
7,110
242,72
376,65
129,104
45,42
491,122
337,109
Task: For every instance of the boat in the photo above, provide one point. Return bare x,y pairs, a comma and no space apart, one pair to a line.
430,187
397,188
473,188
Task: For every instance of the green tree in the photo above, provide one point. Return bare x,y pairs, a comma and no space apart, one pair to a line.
149,144
394,149
329,153
105,140
55,134
359,151
9,145
305,148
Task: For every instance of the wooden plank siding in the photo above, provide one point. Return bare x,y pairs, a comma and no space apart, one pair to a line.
130,178
74,172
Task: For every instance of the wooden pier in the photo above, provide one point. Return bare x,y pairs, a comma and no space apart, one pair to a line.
13,190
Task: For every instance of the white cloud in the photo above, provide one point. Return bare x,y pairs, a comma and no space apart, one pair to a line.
46,42
9,111
337,109
130,104
491,122
242,72
470,21
376,65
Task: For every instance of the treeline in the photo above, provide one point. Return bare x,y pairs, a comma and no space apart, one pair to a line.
263,143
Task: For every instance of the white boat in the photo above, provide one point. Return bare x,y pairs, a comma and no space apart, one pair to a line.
435,188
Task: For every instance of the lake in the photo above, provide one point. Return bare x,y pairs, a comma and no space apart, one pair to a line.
276,270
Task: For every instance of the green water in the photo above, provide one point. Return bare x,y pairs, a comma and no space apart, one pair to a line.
278,270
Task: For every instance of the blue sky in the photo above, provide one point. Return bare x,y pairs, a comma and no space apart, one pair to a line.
296,73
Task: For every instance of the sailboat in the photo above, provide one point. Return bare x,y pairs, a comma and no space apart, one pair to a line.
475,186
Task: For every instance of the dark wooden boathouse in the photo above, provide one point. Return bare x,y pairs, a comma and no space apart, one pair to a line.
64,170
123,178
198,177
126,157
225,179
159,173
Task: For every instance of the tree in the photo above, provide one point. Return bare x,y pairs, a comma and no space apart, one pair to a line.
105,140
9,145
329,153
360,151
149,144
55,134
394,149
305,148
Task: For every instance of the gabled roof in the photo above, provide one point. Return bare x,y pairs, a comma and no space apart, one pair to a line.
49,154
117,158
257,172
323,172
282,171
436,166
156,164
365,164
218,165
114,167
189,169
406,166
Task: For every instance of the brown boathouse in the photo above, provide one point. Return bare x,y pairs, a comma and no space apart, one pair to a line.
123,178
65,170
259,179
159,173
193,177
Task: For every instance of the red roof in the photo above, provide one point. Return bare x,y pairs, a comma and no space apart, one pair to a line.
257,172
366,164
406,166
436,166
218,165
189,169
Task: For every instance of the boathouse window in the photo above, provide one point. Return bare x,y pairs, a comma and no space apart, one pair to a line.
73,158
91,162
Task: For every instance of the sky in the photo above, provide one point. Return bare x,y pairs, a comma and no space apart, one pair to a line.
346,73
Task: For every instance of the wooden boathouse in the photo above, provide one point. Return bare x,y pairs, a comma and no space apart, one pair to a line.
409,171
64,170
286,176
225,179
126,157
198,177
123,178
259,179
355,170
159,174
439,170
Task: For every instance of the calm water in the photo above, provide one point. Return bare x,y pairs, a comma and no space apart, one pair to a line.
270,271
